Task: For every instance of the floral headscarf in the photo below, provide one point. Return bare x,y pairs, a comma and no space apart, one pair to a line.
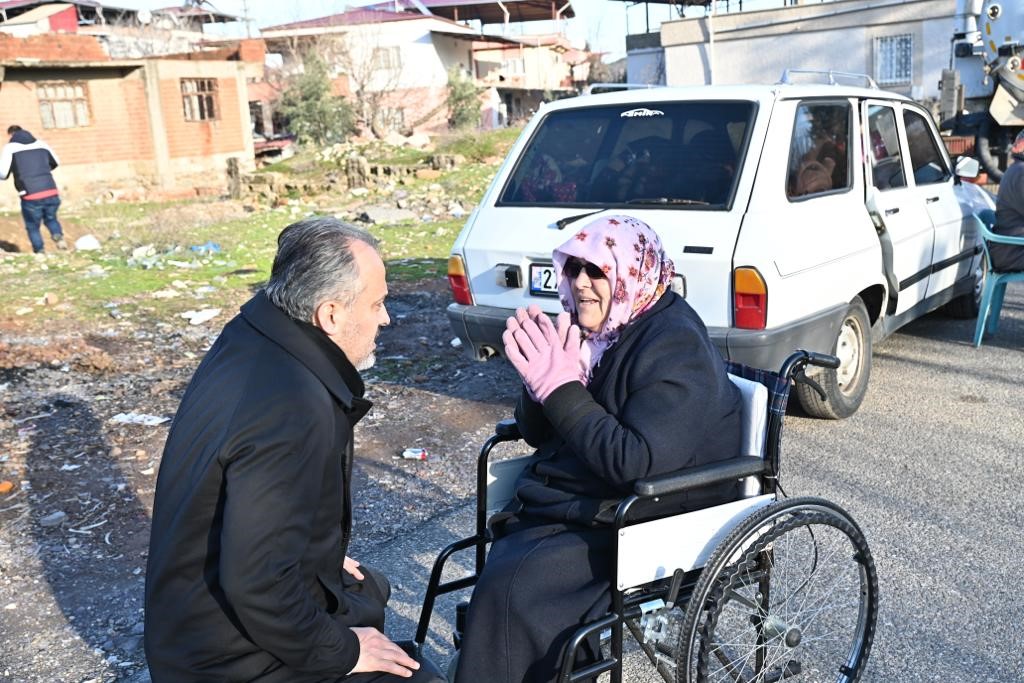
632,258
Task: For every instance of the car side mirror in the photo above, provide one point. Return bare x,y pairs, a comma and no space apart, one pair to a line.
967,167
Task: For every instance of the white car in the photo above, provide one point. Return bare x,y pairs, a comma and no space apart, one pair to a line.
821,217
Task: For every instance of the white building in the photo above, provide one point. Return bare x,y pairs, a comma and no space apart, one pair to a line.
902,44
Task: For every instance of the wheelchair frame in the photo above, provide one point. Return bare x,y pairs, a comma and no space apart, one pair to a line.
743,557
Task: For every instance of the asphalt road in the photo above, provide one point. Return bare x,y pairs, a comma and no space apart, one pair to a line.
930,467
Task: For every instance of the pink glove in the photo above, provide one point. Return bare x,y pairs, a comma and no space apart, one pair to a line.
545,357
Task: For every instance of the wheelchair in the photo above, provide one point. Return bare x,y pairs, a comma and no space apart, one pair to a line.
762,589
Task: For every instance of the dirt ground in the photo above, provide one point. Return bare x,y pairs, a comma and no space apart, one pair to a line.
74,520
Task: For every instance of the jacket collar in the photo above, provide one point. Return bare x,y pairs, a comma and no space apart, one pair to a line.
311,347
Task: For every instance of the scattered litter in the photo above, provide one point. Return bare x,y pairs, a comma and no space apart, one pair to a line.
139,253
86,529
106,538
147,471
48,299
201,316
208,248
139,419
165,294
456,343
6,487
67,467
87,243
24,310
53,519
11,605
33,417
414,454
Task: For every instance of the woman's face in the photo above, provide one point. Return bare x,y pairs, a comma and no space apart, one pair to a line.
591,291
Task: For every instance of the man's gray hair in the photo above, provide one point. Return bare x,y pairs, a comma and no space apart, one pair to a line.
314,263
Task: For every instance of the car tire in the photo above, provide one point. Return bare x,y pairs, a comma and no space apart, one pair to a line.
967,306
845,386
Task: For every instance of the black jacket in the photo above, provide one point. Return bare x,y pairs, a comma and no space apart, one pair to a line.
252,515
31,161
1009,218
659,401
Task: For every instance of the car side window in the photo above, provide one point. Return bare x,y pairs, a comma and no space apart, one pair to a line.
925,157
886,157
818,157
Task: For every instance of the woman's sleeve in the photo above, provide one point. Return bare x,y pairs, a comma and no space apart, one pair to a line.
533,424
675,399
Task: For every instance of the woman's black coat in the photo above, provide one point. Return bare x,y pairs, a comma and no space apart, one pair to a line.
659,401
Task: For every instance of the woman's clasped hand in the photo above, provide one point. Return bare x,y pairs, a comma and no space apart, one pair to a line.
545,356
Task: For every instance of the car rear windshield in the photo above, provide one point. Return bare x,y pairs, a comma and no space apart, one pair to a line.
679,154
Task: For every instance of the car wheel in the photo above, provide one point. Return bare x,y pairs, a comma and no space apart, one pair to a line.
845,386
967,306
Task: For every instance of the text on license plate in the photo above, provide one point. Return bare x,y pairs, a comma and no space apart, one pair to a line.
542,280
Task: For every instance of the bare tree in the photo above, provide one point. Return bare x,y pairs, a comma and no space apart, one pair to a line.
374,72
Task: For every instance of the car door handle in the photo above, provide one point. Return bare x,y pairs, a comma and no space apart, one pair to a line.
889,212
931,200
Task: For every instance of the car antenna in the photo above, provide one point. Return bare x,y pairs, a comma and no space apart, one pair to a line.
562,222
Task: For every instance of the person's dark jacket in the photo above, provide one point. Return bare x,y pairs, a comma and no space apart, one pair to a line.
31,161
659,401
1009,218
252,513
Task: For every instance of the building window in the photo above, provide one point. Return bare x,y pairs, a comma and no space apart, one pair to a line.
894,59
387,58
63,104
392,118
514,67
199,98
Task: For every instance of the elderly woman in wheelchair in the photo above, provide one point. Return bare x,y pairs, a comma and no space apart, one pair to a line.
650,505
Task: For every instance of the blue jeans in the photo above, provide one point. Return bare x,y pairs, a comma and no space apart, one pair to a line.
36,211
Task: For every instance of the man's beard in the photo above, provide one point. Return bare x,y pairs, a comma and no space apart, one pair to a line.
367,362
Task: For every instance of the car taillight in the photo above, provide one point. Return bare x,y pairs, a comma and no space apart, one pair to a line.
750,299
458,281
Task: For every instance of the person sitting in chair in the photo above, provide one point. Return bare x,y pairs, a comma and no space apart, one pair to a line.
1010,212
641,393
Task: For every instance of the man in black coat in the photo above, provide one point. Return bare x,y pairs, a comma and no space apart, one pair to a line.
31,161
247,577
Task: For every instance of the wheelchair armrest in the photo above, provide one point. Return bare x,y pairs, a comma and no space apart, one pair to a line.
714,473
508,429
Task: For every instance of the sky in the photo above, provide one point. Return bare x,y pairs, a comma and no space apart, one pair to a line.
602,24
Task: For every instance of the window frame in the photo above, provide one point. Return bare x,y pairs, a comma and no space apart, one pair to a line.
896,76
80,105
935,148
193,109
793,198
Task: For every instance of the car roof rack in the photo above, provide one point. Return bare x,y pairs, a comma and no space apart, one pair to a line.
598,88
829,76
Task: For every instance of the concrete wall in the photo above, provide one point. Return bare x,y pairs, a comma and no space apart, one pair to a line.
756,47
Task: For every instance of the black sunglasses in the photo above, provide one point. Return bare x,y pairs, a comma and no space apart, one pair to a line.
574,266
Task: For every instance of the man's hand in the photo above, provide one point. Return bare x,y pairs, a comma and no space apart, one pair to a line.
377,653
352,567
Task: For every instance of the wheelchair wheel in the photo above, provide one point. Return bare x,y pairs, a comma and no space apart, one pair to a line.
791,594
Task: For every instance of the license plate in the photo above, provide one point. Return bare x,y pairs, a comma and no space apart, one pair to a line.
542,280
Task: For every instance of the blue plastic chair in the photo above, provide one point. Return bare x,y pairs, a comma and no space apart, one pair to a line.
995,281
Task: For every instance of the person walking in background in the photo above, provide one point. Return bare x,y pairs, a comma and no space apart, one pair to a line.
32,161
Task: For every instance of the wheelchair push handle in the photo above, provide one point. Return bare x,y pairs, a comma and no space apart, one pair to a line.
794,365
825,360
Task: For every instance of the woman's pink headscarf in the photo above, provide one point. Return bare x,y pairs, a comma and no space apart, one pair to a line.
632,258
